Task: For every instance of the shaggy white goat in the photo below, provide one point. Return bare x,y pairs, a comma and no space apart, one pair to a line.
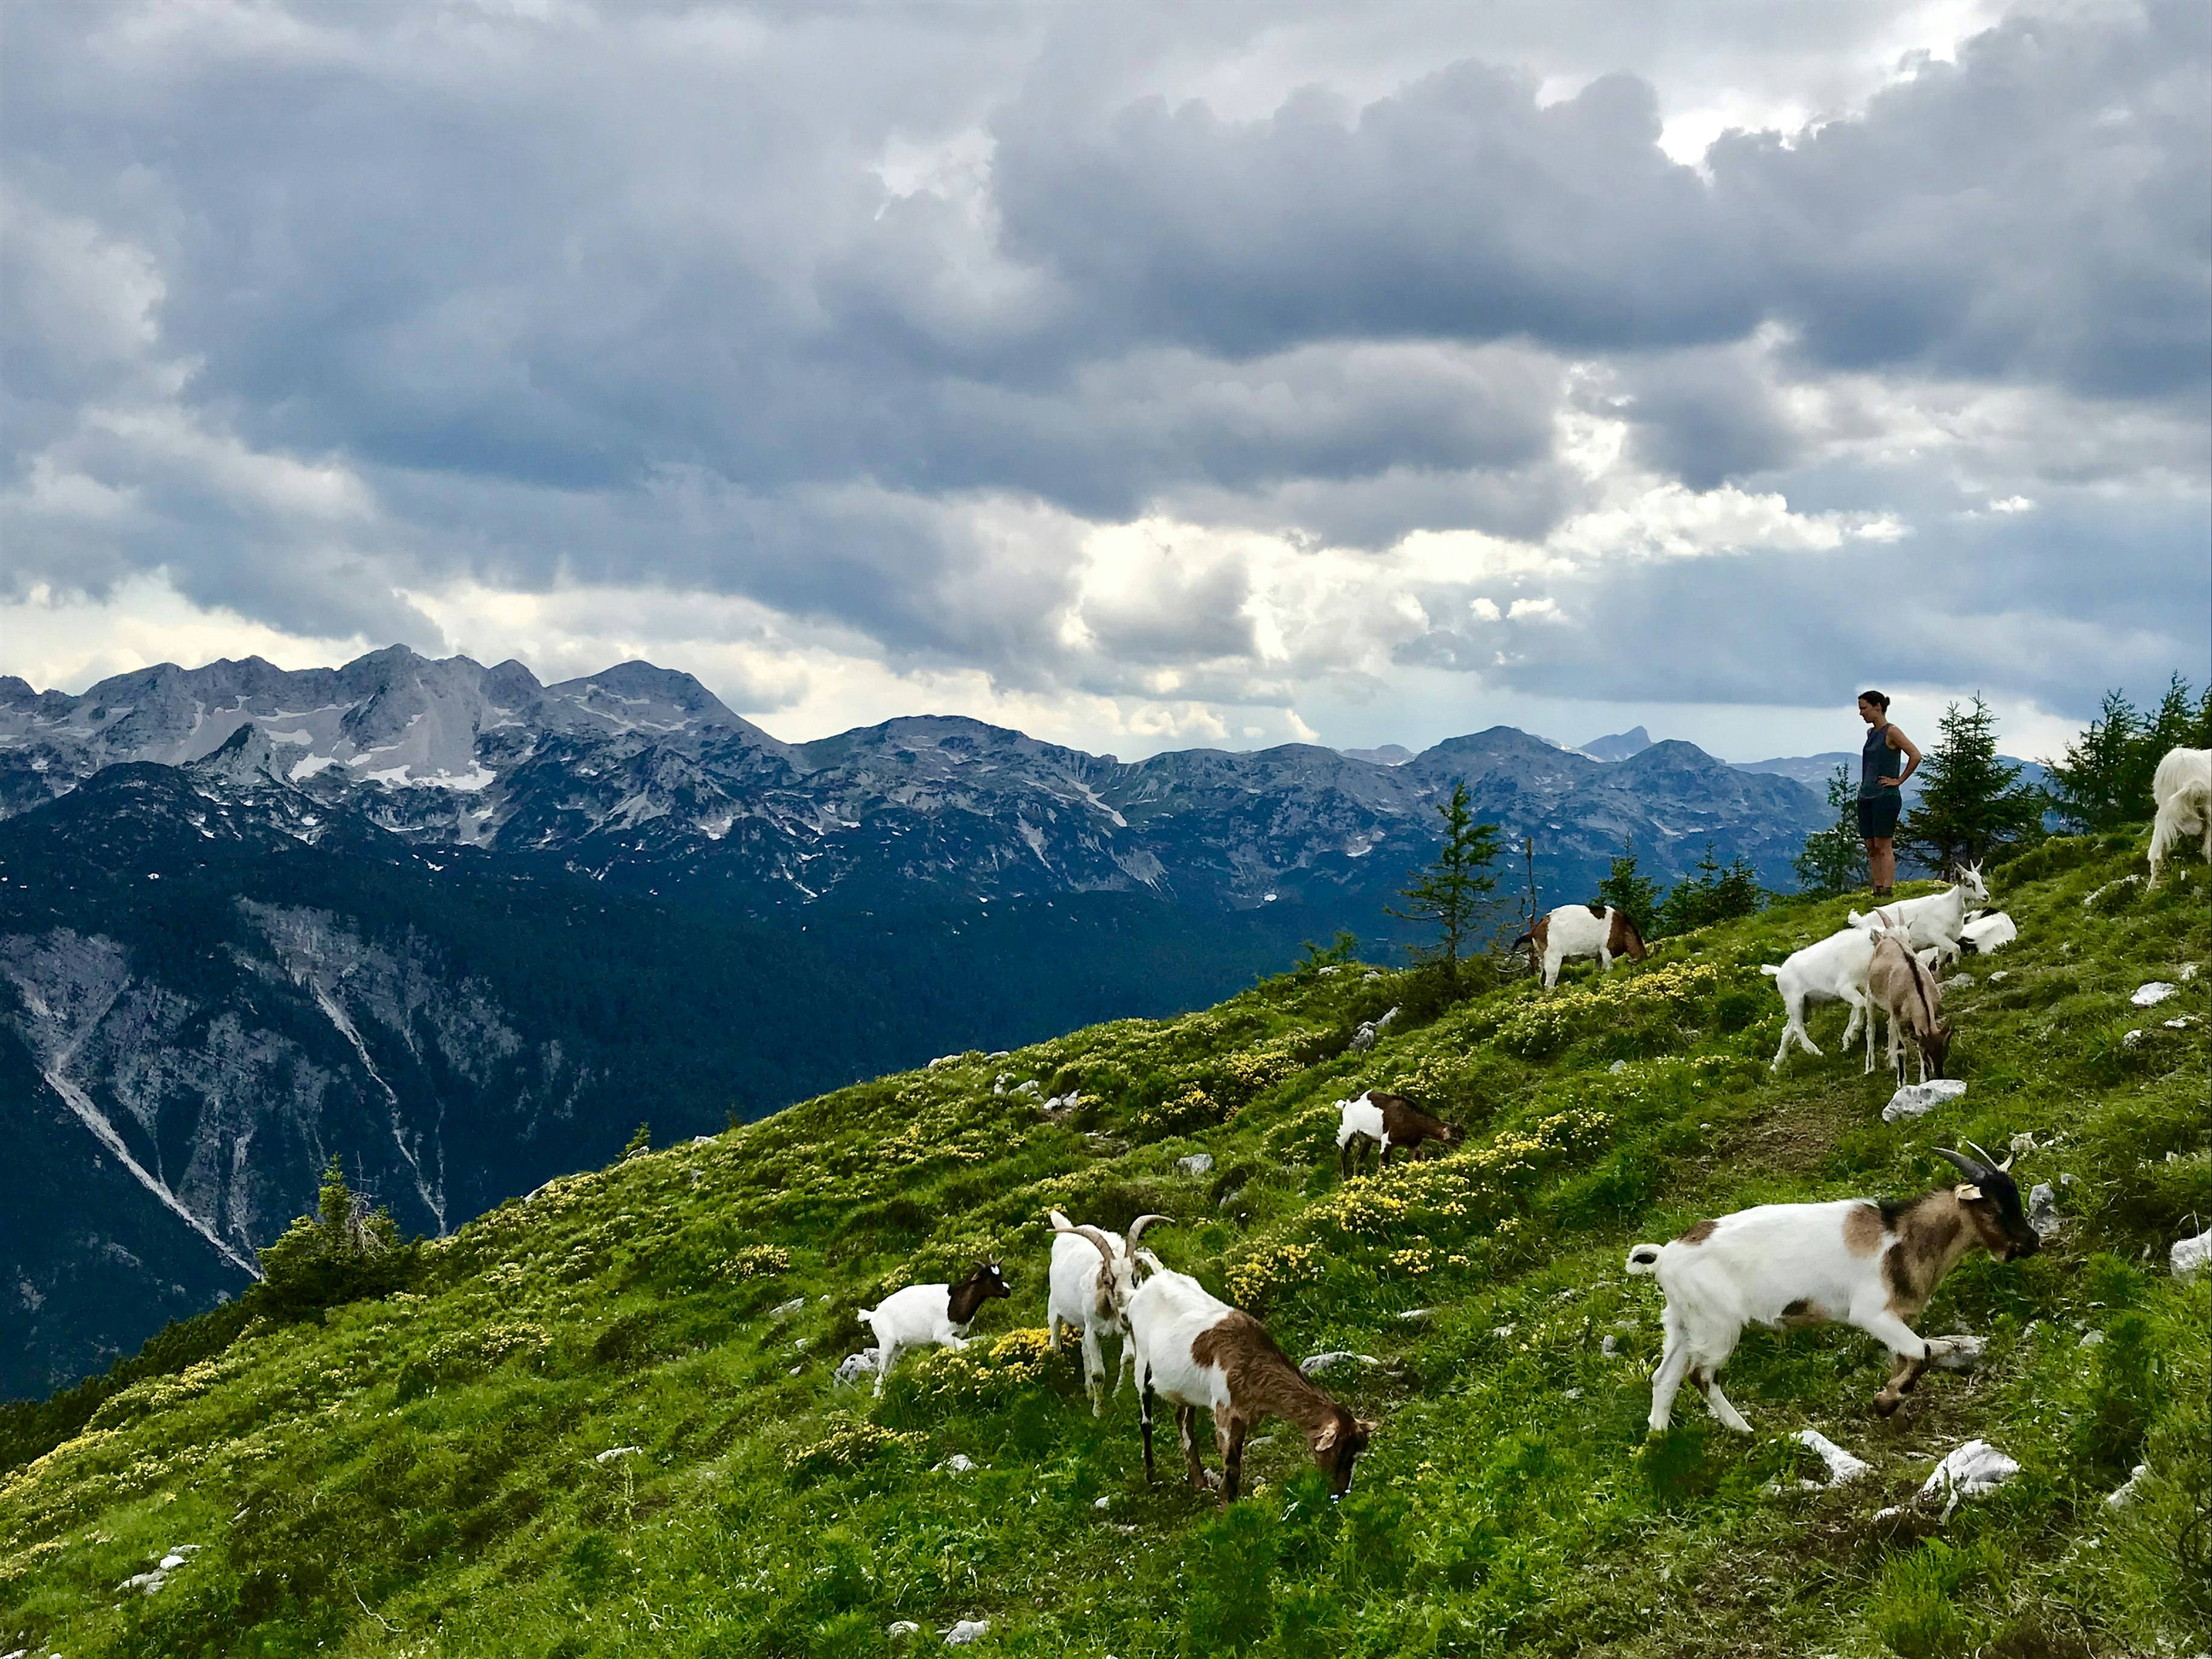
2183,790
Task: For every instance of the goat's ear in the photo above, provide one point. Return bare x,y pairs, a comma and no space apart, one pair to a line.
1326,1438
1965,1193
1367,1425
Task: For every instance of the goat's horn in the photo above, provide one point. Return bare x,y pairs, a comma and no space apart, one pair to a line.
1967,1166
1987,1159
1137,1228
1105,1245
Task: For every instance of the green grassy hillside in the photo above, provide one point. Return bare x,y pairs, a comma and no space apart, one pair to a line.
429,1473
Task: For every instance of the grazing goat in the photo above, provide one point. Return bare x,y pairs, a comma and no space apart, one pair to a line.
1900,985
1093,1276
1986,931
1581,930
924,1313
1392,1120
1937,919
2183,790
1833,970
1785,1266
1195,1352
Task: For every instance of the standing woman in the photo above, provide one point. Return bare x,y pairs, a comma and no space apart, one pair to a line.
1886,761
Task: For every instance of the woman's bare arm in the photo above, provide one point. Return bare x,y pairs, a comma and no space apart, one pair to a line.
1903,744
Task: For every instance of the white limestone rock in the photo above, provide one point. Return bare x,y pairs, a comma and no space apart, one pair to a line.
1918,1099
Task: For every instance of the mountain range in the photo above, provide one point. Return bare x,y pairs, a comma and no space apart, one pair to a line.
464,930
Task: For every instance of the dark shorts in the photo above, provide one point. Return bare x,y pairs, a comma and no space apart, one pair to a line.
1878,817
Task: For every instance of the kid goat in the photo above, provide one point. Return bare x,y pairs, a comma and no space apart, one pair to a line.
1195,1352
1900,985
1785,1265
1582,930
923,1314
1392,1120
1093,1277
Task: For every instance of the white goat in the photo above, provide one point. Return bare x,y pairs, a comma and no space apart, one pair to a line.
2183,790
921,1315
1093,1277
1833,970
1986,931
1196,1352
1581,930
1855,1262
1935,920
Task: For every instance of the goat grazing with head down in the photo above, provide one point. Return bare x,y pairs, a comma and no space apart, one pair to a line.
1093,1277
1581,930
1900,985
1854,1261
1388,1121
1197,1352
2182,790
923,1314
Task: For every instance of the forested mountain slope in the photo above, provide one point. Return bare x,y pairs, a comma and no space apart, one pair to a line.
603,1421
198,1008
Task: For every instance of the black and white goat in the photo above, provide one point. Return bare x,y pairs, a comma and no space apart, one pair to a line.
921,1315
1391,1122
1093,1276
1853,1261
1197,1352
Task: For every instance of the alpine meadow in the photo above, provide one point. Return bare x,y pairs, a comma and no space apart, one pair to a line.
607,1419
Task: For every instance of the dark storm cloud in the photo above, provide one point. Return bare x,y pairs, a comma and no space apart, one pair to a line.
650,295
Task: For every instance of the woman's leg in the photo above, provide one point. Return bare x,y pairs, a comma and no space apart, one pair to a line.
1881,863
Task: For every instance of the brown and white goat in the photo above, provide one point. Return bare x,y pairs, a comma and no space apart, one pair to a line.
1855,1262
1390,1120
1197,1352
1581,930
1900,985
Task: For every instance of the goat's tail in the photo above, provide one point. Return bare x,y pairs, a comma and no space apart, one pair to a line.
1645,1259
1060,1223
1770,970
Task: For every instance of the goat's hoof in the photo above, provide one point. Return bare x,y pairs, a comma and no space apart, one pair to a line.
1886,1406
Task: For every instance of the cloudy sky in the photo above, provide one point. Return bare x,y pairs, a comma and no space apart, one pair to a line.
1140,375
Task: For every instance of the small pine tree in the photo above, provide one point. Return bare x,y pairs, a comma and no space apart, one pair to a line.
345,1251
1835,858
1635,896
639,1143
1712,892
2094,786
1450,892
1972,804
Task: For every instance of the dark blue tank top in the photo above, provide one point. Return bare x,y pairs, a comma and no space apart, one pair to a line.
1877,760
